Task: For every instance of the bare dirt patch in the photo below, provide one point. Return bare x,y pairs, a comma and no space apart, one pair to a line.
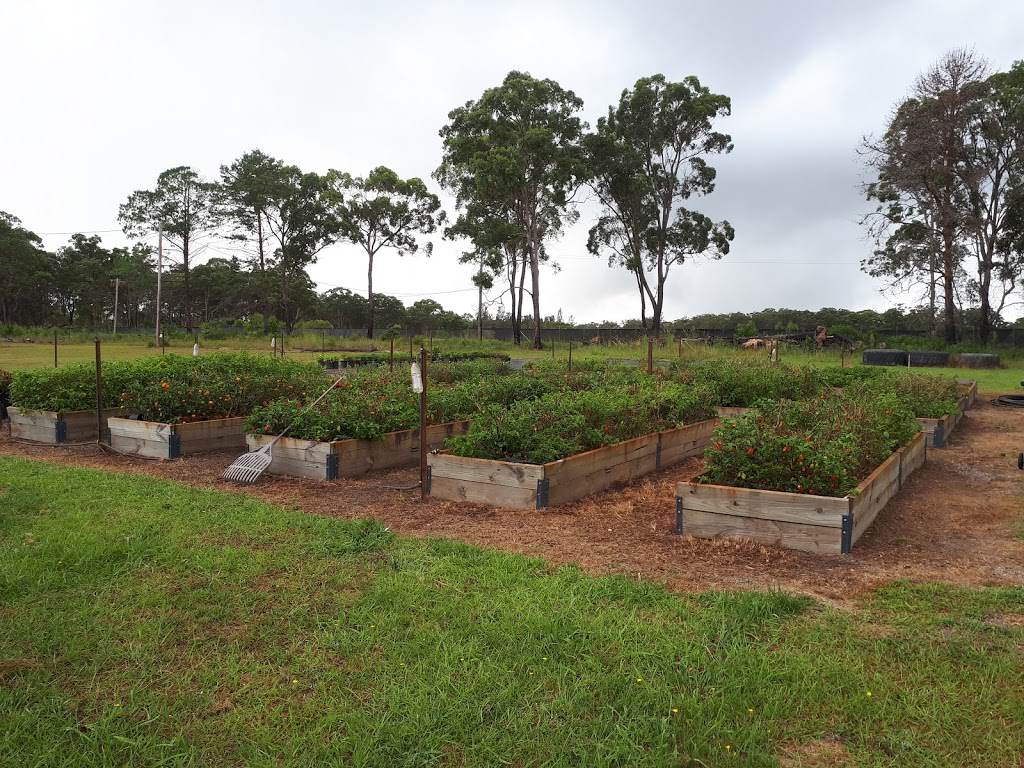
957,520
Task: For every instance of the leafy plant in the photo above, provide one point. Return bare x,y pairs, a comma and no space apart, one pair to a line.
824,445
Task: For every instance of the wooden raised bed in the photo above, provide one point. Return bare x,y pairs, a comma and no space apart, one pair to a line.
535,486
797,521
349,458
969,389
937,430
169,441
55,428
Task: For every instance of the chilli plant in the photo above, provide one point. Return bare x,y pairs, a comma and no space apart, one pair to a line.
824,445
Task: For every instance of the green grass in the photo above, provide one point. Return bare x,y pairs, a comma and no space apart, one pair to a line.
144,623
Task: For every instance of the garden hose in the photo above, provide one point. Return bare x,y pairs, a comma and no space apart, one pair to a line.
1012,401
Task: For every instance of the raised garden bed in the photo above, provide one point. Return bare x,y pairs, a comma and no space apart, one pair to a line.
348,458
798,521
936,431
535,486
56,428
169,441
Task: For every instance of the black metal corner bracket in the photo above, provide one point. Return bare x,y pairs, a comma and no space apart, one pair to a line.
847,542
542,493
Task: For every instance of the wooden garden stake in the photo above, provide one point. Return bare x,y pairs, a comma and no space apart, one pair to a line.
650,356
99,394
54,347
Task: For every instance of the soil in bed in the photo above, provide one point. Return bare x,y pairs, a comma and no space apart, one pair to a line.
958,520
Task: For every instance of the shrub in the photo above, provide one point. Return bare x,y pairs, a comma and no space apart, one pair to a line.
824,445
563,423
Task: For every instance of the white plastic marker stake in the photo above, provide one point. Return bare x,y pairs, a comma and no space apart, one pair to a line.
195,349
417,378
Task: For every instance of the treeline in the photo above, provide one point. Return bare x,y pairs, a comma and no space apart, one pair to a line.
78,285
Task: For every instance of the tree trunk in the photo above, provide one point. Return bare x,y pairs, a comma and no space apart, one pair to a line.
535,281
188,291
264,288
369,303
948,271
519,310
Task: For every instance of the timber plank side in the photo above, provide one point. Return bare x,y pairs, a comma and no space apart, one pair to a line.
573,477
458,489
686,441
34,433
970,389
501,473
913,456
874,493
291,467
293,457
354,456
808,538
601,477
152,438
41,426
602,460
797,508
142,430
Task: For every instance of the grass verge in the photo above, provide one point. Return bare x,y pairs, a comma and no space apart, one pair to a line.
144,623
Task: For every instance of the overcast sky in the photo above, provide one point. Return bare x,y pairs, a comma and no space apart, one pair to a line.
101,96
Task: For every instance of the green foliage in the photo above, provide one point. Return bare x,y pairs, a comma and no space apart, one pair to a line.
71,387
741,383
746,329
563,423
169,388
649,158
5,392
824,445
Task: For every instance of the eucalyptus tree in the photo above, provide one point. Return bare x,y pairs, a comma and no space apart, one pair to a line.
993,174
919,166
514,161
648,158
301,216
385,211
245,197
181,204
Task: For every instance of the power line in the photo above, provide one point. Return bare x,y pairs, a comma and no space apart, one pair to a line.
82,232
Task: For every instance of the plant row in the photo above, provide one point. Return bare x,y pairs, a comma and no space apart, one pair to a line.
824,445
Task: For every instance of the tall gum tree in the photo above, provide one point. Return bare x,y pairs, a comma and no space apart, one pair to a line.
648,157
514,161
181,202
247,192
919,167
301,216
385,211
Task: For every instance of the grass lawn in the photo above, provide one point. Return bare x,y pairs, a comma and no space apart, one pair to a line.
145,623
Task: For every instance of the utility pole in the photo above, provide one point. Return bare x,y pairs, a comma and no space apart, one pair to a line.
480,301
159,272
117,285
